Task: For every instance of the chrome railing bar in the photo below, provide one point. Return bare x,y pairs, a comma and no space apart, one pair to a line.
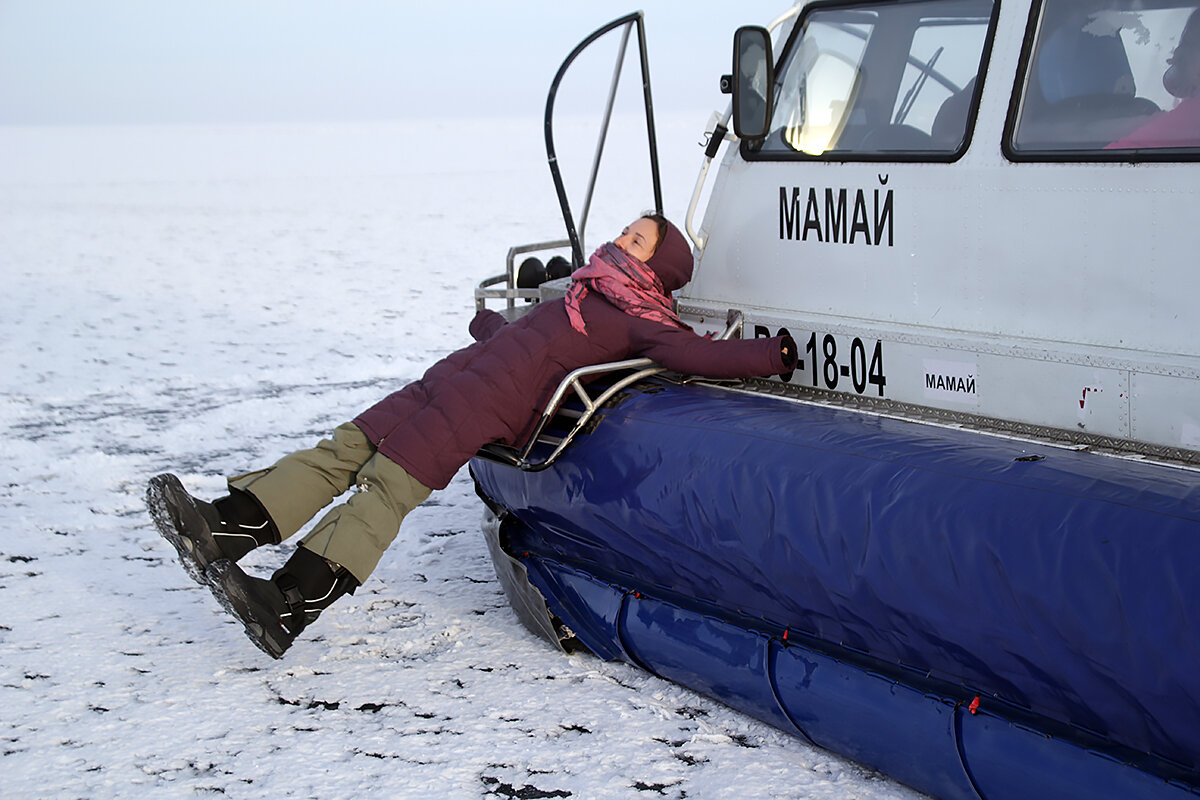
573,382
511,292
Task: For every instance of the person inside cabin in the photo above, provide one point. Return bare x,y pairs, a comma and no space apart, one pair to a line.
397,452
1077,61
1179,127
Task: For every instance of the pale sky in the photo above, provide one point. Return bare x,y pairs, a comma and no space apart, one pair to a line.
123,61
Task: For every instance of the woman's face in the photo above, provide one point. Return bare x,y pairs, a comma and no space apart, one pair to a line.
639,239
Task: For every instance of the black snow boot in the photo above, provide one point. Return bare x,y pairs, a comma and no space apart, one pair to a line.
205,532
275,611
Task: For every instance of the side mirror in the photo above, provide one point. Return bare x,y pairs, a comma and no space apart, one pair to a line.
752,82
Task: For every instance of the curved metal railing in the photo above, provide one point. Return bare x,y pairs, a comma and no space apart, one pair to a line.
637,368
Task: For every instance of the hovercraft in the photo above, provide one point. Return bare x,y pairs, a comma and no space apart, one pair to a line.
960,543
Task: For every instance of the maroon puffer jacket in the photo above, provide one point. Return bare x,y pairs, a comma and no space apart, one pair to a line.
496,389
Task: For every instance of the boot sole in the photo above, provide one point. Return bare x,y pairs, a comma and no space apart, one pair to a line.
180,523
231,589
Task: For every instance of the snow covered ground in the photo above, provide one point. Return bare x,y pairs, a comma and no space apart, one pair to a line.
202,301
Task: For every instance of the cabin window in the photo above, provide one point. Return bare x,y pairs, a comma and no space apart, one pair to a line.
1118,80
879,81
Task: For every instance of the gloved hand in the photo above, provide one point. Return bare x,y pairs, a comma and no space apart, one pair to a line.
485,323
789,352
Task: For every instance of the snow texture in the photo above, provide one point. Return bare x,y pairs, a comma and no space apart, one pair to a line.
202,301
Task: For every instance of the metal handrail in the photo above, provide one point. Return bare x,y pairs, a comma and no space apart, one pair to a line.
720,133
573,382
510,292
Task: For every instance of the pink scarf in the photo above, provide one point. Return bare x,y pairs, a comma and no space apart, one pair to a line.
625,282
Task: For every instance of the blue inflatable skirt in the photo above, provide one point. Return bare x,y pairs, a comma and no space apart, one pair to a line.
973,615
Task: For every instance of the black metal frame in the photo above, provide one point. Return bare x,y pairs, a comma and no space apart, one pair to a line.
635,19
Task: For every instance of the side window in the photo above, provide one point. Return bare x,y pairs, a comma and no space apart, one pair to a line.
1110,80
879,80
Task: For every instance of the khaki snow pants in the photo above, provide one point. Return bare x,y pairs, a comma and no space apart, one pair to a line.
356,533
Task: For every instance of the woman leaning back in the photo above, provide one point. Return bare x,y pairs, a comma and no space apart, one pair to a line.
413,441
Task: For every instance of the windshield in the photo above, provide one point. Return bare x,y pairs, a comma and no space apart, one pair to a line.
879,78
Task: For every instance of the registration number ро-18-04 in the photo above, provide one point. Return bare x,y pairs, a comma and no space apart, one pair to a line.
821,365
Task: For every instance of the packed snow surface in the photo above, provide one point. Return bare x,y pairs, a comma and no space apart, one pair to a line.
204,300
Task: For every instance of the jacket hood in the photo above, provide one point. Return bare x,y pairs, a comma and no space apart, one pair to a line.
672,261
